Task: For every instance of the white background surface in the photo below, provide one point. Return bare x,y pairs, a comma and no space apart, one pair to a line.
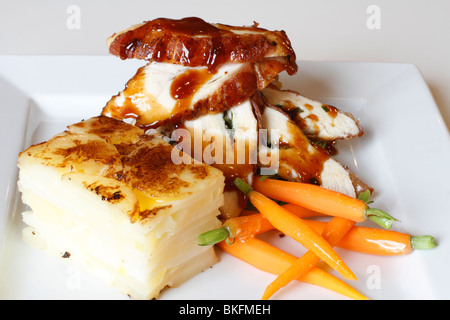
411,31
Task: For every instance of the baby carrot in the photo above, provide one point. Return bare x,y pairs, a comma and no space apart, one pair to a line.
360,239
334,231
321,200
248,224
379,241
268,258
241,227
302,212
295,227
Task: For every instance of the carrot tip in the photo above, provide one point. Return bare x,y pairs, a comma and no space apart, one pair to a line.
352,277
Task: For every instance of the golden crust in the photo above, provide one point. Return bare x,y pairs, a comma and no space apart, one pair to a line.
150,168
109,129
75,153
120,164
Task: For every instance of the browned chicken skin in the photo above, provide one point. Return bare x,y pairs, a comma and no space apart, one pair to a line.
193,42
210,69
229,63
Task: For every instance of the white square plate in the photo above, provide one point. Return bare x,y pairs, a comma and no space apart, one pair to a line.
404,155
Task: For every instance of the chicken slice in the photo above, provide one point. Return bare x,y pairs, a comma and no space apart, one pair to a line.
317,120
162,93
301,160
194,42
227,141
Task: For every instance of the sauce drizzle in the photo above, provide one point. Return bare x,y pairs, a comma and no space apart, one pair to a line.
186,27
185,85
194,42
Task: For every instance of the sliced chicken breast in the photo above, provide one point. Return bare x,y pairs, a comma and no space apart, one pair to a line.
317,120
227,141
162,93
194,42
301,160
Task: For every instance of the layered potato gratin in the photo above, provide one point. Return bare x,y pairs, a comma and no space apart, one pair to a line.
111,198
107,192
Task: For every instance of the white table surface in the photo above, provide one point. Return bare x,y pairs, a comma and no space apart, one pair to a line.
410,31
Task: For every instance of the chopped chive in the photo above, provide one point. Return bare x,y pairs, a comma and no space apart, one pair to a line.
322,144
325,108
228,119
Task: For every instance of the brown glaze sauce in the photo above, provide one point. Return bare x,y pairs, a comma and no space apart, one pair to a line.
190,27
331,111
330,147
233,171
298,161
194,42
300,165
134,95
237,88
238,168
185,85
293,112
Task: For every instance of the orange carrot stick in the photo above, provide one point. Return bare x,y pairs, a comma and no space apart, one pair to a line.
334,231
295,227
268,258
252,223
378,241
247,226
360,239
241,227
302,212
321,200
